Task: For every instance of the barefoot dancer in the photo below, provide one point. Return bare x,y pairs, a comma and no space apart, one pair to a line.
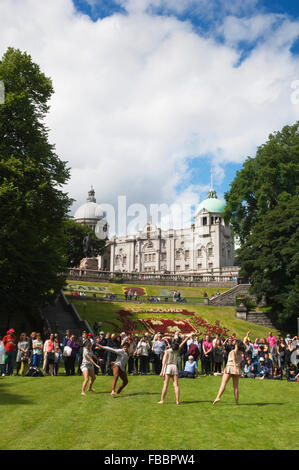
87,367
232,369
119,366
170,369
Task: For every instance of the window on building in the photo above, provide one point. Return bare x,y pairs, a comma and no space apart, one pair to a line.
199,253
204,221
187,254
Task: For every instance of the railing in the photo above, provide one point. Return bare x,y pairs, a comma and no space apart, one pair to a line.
85,275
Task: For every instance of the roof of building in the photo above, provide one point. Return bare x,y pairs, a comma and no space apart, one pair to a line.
89,210
212,203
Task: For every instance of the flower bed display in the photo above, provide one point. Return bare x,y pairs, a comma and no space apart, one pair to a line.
161,325
194,324
140,290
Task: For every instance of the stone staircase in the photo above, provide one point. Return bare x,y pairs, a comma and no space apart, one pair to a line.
228,298
260,318
60,315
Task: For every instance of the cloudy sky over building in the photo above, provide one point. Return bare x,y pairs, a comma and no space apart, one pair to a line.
149,94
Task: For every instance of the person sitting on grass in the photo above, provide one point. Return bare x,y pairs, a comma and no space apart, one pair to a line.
277,373
119,366
190,371
248,369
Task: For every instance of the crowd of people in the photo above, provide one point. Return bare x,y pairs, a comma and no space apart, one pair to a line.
271,358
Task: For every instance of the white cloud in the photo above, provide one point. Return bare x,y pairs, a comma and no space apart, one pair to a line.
137,94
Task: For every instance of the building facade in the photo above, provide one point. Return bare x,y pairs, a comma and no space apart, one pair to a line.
207,246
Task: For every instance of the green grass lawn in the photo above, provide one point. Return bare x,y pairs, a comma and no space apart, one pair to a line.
100,288
49,413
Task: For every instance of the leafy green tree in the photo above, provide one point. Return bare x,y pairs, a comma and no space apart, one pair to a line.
74,236
33,206
263,208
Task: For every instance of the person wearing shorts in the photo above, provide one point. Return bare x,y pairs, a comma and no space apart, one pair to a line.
170,369
87,368
119,365
232,370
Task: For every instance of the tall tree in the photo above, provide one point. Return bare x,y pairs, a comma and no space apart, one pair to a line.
263,207
32,204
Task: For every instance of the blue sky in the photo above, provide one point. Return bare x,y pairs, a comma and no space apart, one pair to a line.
206,22
150,94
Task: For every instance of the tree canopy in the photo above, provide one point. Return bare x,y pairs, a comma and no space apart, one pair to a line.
33,206
263,208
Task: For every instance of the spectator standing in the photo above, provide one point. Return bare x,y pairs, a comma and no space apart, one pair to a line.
282,348
207,347
49,355
218,354
57,357
82,340
143,348
10,346
37,351
22,352
2,358
158,348
271,340
72,343
31,338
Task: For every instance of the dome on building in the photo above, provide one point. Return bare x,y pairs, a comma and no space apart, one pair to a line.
212,203
90,210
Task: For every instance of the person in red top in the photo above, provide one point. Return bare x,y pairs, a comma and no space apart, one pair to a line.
10,344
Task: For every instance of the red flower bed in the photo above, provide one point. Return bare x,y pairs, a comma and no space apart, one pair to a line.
140,291
164,325
168,325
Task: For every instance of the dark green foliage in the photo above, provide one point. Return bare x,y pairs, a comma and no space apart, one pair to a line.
32,204
263,207
74,235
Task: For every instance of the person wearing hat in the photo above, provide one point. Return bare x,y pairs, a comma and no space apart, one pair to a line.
10,346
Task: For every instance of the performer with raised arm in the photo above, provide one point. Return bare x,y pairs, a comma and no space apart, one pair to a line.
232,369
170,368
119,366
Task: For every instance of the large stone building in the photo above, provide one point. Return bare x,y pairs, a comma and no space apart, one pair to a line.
207,246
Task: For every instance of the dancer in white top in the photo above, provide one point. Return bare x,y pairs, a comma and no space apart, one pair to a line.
119,366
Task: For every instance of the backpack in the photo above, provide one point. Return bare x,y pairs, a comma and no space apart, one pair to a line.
34,372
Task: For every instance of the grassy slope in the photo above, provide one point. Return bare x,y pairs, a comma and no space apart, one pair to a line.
49,413
150,290
97,311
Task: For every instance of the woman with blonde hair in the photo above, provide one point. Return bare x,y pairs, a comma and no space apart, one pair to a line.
232,369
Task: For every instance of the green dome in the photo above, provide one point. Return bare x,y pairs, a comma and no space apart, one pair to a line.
211,204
